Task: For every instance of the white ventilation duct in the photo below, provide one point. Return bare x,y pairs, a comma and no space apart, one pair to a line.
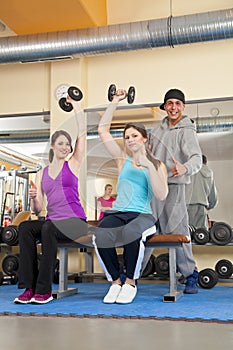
148,34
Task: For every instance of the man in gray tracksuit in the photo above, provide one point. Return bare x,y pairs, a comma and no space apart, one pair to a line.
201,196
175,143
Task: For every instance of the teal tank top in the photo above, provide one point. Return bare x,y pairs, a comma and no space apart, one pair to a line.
134,191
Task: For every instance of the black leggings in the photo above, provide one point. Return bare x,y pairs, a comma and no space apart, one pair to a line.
29,234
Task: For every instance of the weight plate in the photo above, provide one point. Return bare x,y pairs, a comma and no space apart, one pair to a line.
162,265
10,235
207,278
192,229
10,264
150,267
66,106
1,278
111,92
75,93
14,278
201,236
224,268
131,95
221,233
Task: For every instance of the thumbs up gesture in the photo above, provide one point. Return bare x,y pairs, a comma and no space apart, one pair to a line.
32,190
178,169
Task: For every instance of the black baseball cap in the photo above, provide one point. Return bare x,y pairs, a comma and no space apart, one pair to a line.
173,93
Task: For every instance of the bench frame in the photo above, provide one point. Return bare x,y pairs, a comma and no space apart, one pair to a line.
63,248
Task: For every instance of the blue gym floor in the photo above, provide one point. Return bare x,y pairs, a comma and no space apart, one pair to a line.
214,304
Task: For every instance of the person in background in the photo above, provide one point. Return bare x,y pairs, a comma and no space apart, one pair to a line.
201,196
130,222
65,220
105,202
174,142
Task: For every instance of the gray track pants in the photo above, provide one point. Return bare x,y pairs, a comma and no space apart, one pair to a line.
173,218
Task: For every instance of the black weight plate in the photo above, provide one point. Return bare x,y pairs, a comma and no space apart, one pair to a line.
14,278
10,235
192,229
162,265
201,236
131,95
75,93
150,267
224,268
1,278
221,233
66,106
111,92
10,264
207,278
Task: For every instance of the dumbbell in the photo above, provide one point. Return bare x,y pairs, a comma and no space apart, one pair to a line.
201,235
63,91
10,235
12,279
10,264
130,94
224,268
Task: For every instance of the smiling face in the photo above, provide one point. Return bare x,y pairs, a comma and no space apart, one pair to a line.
61,147
134,139
174,109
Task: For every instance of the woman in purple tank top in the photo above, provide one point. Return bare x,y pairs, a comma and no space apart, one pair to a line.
65,220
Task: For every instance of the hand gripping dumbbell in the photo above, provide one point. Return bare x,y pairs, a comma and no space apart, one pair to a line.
62,91
130,94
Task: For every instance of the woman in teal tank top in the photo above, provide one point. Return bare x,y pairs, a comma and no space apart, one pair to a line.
130,222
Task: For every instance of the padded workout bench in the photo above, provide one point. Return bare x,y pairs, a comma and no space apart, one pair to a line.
169,241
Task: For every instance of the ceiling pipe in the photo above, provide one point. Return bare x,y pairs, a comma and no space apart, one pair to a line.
171,31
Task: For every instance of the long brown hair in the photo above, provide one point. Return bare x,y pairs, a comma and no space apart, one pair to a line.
141,128
138,126
55,135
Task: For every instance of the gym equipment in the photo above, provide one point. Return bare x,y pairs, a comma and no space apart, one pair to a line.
10,264
150,267
221,233
224,268
10,233
171,242
162,265
201,236
13,279
207,278
192,229
130,94
62,91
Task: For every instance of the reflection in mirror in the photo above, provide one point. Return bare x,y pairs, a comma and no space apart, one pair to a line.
214,121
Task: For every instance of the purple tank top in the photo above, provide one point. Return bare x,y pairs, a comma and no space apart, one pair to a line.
62,195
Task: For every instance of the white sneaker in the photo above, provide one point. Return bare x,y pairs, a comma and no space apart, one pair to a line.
112,294
127,294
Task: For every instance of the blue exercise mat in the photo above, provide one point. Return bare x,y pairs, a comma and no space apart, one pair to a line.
208,305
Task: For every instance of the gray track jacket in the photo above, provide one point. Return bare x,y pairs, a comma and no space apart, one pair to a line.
179,142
